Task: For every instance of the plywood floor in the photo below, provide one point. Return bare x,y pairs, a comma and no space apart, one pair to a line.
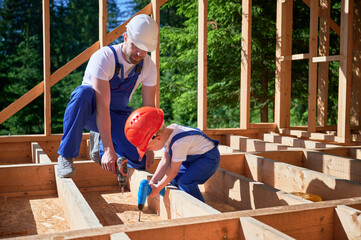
22,216
113,207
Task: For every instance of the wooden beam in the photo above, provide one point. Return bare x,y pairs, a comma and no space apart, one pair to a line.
290,178
283,68
333,165
38,155
27,180
356,68
46,67
102,22
350,220
254,229
312,67
76,208
155,54
202,64
243,193
345,71
247,144
245,110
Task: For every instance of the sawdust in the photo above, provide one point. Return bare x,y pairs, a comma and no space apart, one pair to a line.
114,207
21,216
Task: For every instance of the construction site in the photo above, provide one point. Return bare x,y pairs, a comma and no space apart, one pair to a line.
274,181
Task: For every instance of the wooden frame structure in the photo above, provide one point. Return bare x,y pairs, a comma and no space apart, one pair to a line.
262,166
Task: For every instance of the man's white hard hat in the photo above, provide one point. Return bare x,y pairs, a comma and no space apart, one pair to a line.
143,31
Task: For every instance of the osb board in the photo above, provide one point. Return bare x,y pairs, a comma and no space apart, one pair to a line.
21,216
113,207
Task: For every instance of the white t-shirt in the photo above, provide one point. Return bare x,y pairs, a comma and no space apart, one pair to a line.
189,145
101,65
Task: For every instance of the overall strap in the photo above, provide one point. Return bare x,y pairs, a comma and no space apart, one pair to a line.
190,133
118,66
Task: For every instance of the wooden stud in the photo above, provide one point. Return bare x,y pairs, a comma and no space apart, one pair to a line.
102,23
46,63
283,68
345,71
202,64
245,110
155,55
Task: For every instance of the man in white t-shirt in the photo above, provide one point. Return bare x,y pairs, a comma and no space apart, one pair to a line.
100,104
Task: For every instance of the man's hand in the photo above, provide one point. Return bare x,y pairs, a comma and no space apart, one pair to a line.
149,159
109,161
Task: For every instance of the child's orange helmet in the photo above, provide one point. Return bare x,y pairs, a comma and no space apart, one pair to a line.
141,125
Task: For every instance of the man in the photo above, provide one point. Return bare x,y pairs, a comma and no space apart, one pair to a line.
100,104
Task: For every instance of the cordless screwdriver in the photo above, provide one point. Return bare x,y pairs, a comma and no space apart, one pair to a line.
143,192
122,172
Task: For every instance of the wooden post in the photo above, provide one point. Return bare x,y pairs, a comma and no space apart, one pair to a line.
155,54
312,66
246,64
345,71
356,68
102,22
283,67
202,64
323,50
46,64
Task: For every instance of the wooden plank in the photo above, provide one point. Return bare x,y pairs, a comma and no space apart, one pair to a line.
155,54
294,157
313,223
326,59
202,64
46,67
77,210
300,56
38,155
337,166
254,229
27,179
251,145
296,142
246,64
345,71
243,193
312,67
290,178
102,23
350,219
119,236
356,67
283,68
233,162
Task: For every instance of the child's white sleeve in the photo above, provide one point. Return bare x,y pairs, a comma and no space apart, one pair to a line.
180,149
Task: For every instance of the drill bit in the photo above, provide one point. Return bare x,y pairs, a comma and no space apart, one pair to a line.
139,216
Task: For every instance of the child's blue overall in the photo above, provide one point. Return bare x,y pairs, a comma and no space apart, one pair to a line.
196,169
80,114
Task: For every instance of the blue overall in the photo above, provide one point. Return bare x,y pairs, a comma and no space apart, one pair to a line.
196,169
80,114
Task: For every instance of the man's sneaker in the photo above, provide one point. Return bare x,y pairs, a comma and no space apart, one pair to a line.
65,167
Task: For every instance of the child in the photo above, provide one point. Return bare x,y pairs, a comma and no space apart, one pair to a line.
189,156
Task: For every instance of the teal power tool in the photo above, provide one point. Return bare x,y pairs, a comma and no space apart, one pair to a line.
143,193
122,172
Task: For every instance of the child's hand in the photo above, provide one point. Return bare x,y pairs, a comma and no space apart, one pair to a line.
155,190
